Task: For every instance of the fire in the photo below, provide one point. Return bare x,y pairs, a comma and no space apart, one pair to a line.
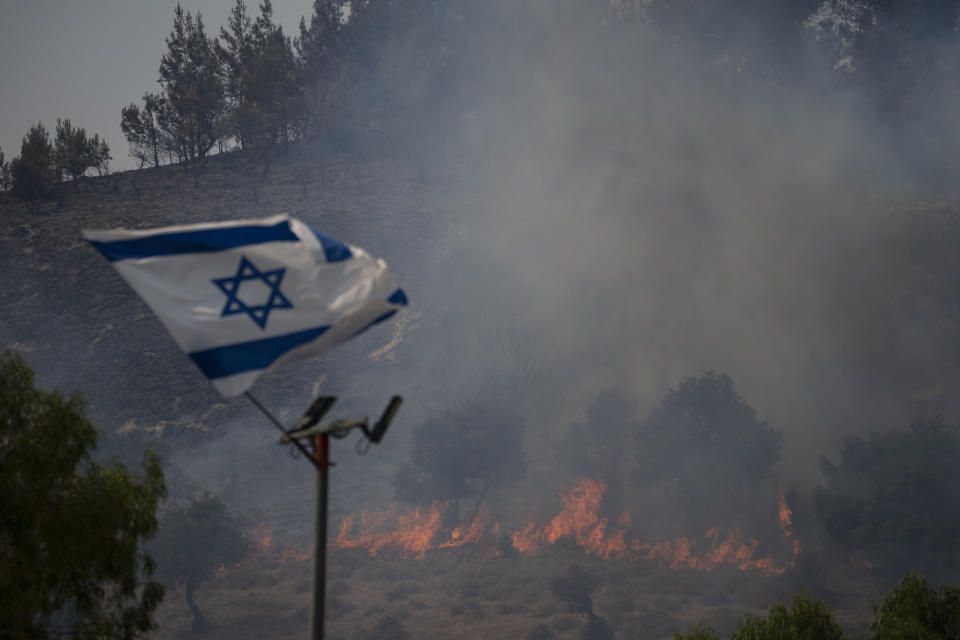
414,531
784,516
262,537
579,520
411,532
263,545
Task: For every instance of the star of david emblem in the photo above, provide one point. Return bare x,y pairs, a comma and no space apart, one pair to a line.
256,279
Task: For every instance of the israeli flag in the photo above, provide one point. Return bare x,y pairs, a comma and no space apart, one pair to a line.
249,296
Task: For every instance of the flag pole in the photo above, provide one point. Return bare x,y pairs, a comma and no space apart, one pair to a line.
278,425
308,428
322,463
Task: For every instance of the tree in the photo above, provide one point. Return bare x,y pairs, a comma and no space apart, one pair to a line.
71,150
597,447
5,178
461,454
273,84
98,154
71,530
234,54
33,172
194,541
191,81
145,129
707,448
321,51
894,498
806,619
913,609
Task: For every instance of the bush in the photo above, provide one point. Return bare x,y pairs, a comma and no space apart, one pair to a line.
914,610
807,619
894,498
462,454
597,448
711,453
71,530
194,541
33,173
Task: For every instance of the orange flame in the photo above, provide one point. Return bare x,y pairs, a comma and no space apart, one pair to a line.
579,519
263,545
414,531
784,516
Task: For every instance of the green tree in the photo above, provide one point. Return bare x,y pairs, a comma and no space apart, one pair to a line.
806,619
33,172
194,541
913,609
462,454
71,530
894,498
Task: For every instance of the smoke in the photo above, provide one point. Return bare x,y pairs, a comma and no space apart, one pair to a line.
650,204
614,197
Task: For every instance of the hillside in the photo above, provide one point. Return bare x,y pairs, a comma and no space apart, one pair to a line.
82,328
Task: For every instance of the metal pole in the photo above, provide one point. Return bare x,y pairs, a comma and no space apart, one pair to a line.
322,462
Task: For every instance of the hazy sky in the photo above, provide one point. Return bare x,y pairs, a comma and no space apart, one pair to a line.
85,60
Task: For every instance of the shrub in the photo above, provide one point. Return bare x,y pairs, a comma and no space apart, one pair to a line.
894,498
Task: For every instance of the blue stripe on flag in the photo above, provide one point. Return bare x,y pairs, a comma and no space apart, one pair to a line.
200,241
221,362
334,250
398,297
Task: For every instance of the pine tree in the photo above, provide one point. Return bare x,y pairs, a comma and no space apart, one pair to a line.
33,172
273,81
321,53
71,154
234,51
190,78
145,129
98,155
4,173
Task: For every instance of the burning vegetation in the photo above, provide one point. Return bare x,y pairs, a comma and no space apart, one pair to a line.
414,531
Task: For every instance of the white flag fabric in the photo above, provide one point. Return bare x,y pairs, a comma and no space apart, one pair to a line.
248,296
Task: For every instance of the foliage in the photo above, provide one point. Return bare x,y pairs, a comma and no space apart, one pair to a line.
702,631
147,129
807,619
33,171
5,178
913,609
75,153
462,453
708,447
894,498
595,447
71,530
191,81
194,541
